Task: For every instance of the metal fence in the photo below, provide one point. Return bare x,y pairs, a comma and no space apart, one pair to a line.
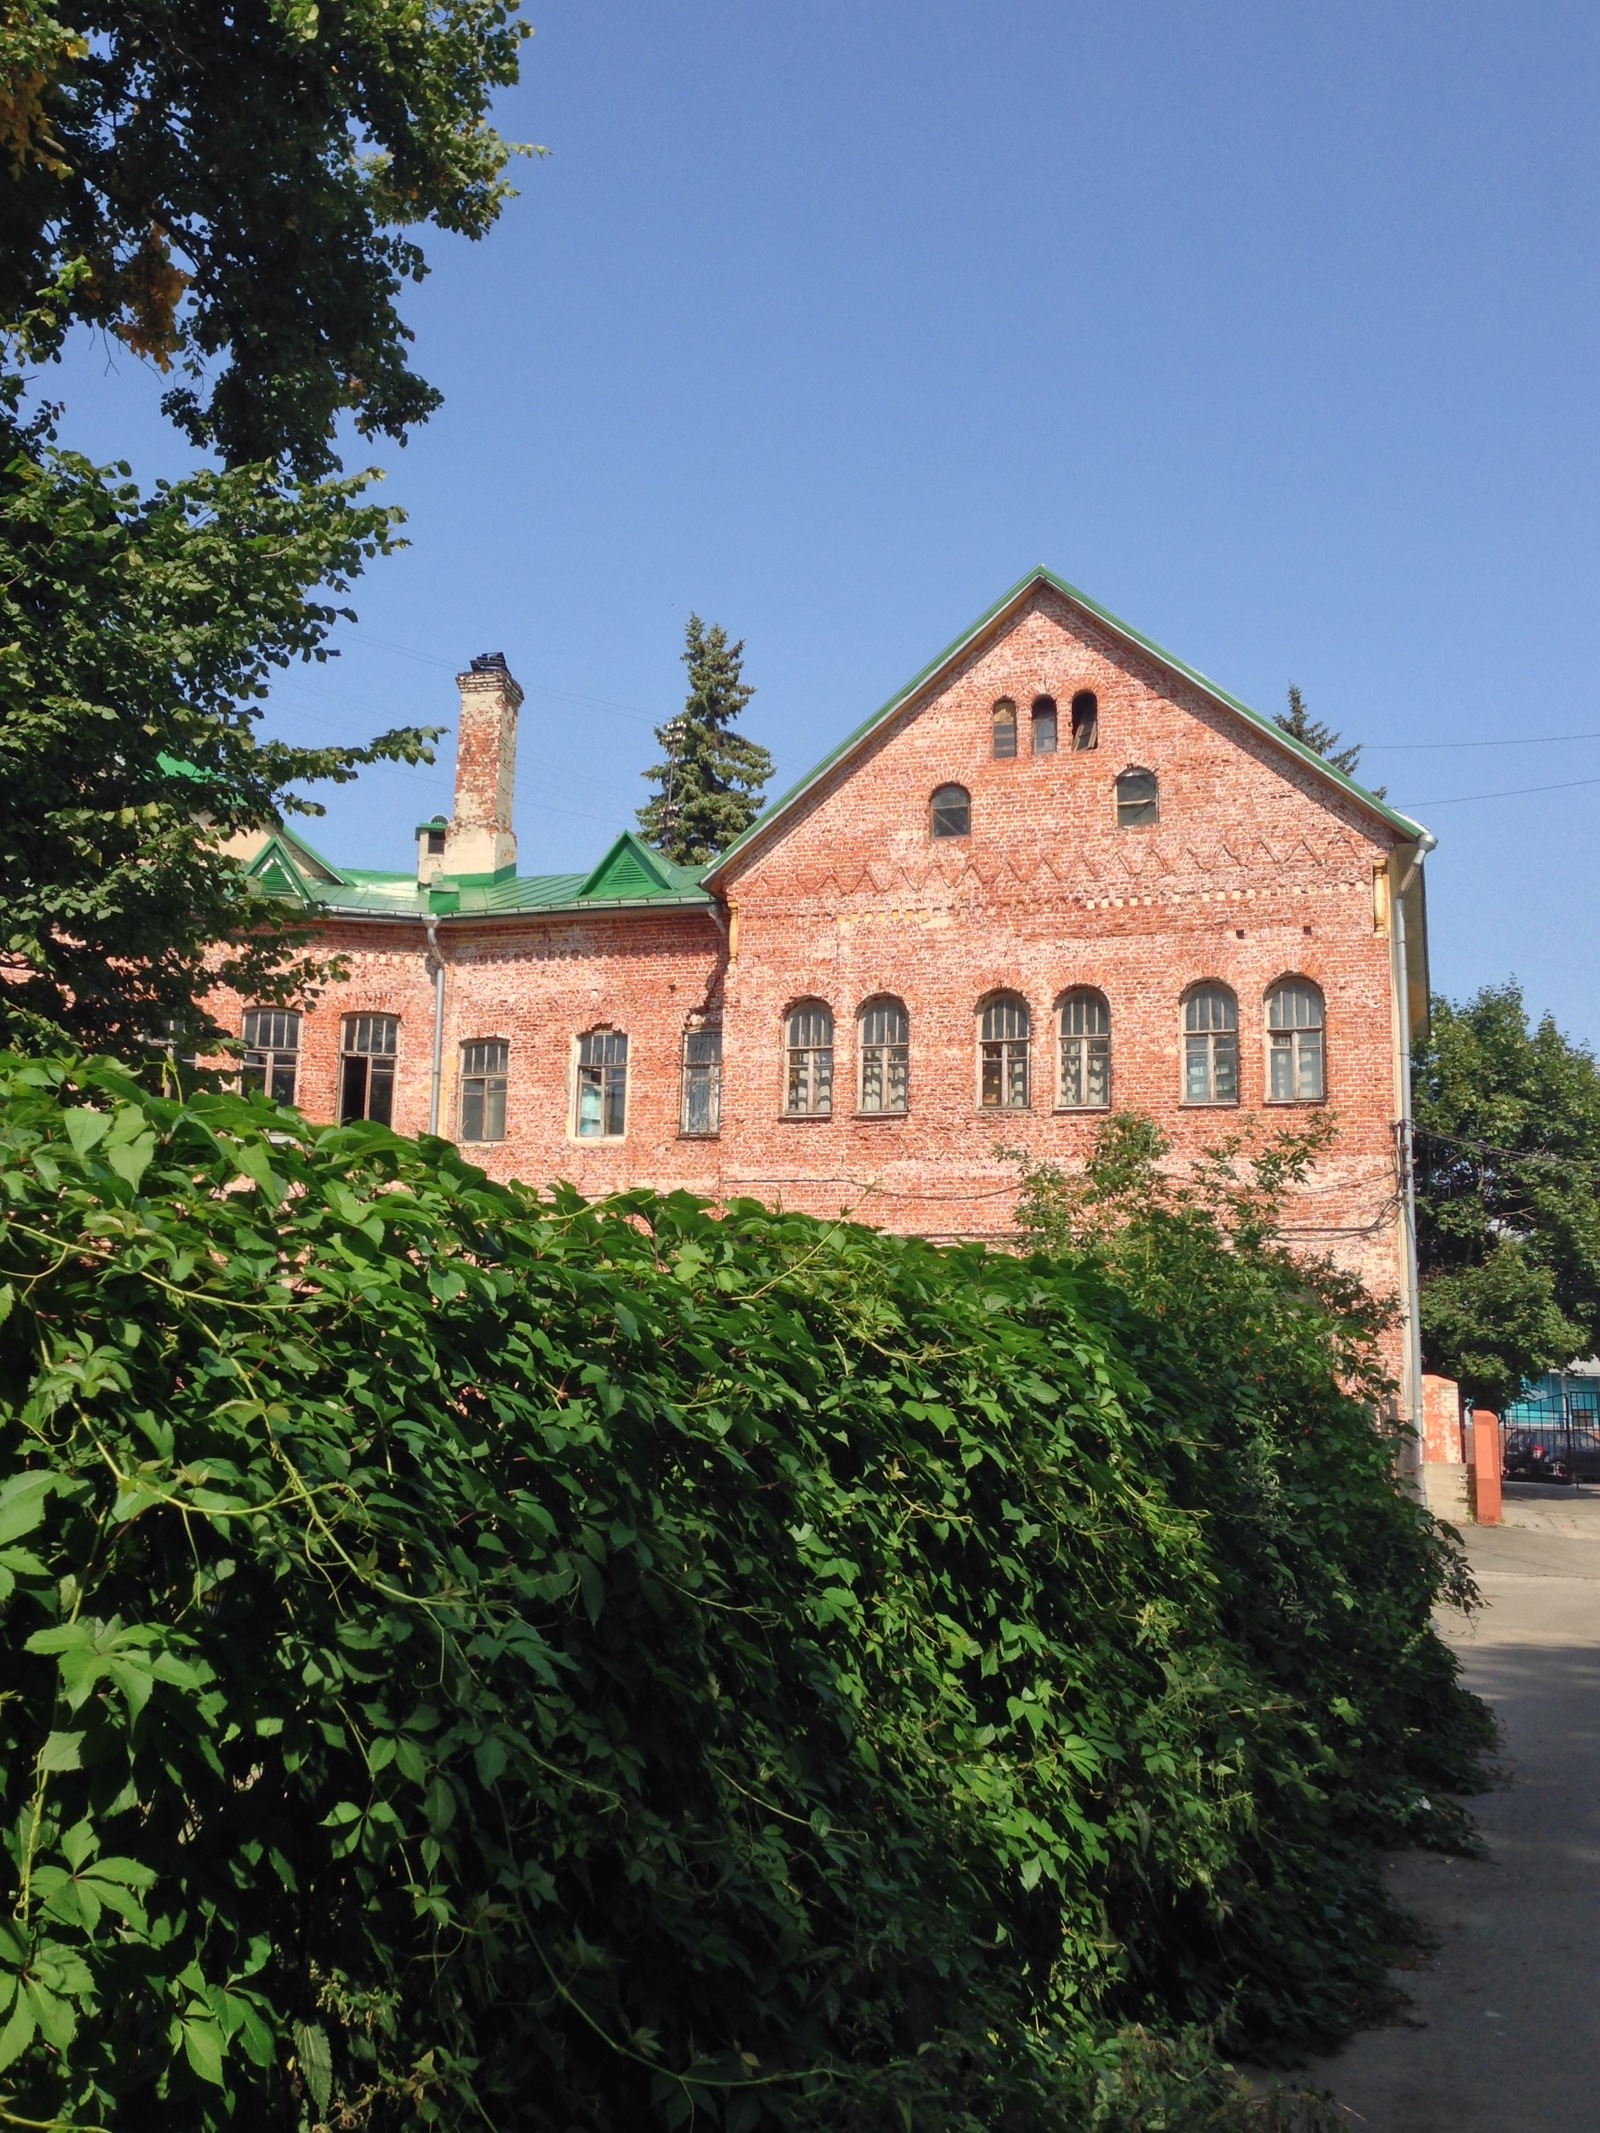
1552,1432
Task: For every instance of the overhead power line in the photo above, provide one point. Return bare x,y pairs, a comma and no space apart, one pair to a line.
1516,792
1517,740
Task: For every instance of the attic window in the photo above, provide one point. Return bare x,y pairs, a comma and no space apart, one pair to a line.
1085,720
1137,800
436,844
1044,725
950,811
1004,716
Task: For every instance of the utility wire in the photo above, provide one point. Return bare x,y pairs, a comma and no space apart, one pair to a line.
1510,1155
1516,792
1518,740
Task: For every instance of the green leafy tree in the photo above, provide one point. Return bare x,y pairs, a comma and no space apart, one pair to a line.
1508,1194
1322,739
227,189
137,636
711,780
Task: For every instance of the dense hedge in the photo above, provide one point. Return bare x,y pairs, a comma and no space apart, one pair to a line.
482,1660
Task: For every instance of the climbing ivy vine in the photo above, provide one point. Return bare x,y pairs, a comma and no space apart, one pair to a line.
470,1657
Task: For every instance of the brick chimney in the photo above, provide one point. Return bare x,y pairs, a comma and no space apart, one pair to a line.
479,838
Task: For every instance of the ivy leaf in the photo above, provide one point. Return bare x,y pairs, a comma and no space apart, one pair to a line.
86,1129
22,1502
62,1751
57,2019
316,2061
19,2031
202,2047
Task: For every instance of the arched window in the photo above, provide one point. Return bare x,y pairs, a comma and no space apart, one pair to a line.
603,1085
1296,1068
1005,730
884,1044
1136,798
366,1068
1085,720
1003,1054
1210,1046
483,1089
808,1086
271,1053
1044,725
950,812
1085,1052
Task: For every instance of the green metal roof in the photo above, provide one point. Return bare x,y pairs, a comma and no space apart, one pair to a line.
1407,829
630,877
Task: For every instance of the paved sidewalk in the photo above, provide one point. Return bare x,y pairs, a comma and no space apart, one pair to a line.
1503,2035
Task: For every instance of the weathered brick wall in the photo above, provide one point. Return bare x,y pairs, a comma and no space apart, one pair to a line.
539,984
1257,869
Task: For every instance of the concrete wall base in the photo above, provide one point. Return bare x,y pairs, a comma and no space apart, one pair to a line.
1445,1487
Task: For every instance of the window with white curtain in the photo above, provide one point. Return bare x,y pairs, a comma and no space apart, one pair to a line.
1296,1051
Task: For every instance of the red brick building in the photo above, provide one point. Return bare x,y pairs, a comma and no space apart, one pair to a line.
1058,873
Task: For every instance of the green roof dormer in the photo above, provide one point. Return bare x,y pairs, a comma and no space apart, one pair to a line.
631,869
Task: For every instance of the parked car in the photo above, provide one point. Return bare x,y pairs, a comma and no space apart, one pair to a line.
1552,1455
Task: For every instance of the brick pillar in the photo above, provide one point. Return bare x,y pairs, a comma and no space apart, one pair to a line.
479,838
1485,1467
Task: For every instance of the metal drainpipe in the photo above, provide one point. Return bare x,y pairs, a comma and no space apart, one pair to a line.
1425,844
431,926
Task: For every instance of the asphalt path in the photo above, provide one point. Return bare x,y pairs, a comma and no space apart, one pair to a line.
1503,2031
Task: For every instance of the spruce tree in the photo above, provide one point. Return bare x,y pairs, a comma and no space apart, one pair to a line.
709,785
1298,722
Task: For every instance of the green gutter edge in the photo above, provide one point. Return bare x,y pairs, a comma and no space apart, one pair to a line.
1408,829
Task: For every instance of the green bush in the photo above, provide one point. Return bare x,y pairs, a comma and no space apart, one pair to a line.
476,1659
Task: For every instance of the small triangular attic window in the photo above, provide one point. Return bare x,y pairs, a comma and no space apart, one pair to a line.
630,868
274,870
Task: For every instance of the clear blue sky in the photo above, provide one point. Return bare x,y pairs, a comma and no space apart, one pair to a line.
1273,328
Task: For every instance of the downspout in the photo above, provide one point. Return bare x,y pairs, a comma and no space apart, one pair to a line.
436,961
1406,1152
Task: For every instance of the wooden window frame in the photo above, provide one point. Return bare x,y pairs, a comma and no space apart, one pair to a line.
481,1092
601,1074
271,1063
1083,1056
808,1060
1211,1047
1299,1047
699,1078
1005,1056
883,1057
369,1054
